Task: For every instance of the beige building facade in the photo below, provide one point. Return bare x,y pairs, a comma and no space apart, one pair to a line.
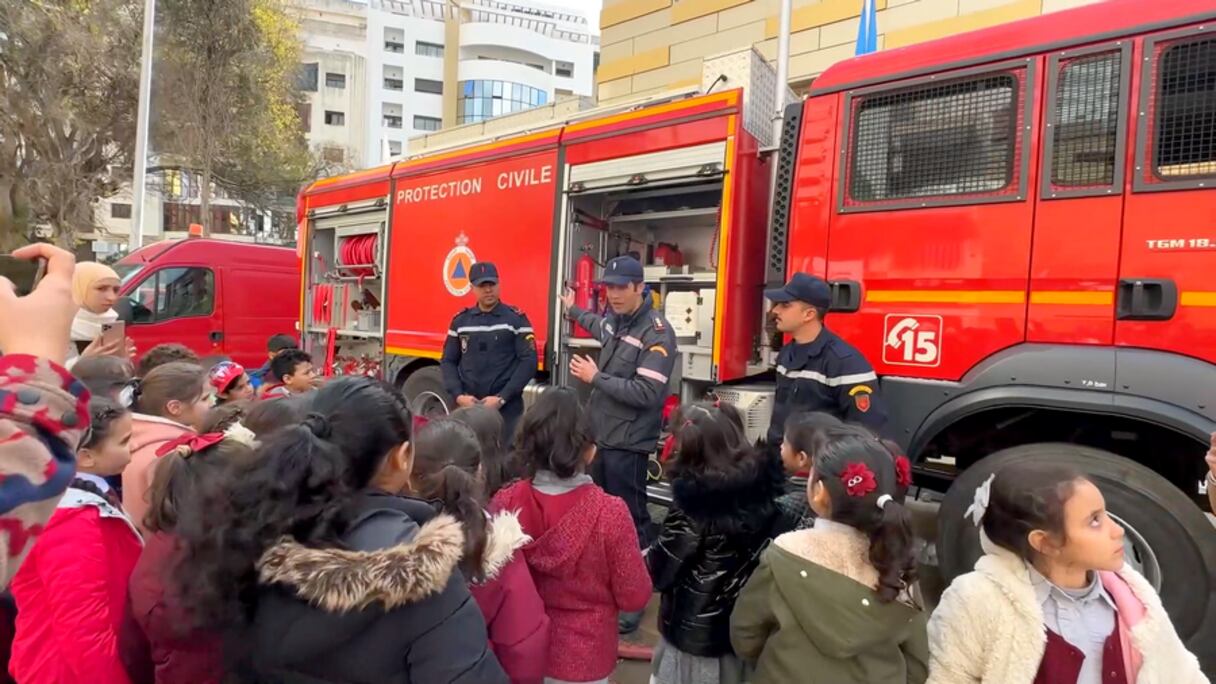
653,46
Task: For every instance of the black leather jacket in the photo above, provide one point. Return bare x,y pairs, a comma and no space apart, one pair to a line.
708,547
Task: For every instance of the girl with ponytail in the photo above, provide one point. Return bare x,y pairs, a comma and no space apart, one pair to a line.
840,587
448,468
319,563
71,593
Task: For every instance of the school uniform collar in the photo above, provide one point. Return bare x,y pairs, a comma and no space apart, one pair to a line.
97,480
1045,590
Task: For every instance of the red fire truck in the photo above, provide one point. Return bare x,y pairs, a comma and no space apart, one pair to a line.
1019,225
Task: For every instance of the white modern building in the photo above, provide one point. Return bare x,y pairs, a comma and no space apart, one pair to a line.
380,72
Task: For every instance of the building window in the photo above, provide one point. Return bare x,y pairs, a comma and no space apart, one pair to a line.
564,69
935,140
480,100
394,46
392,121
335,118
120,211
1184,144
1086,121
333,80
393,84
426,85
394,148
306,80
428,49
427,123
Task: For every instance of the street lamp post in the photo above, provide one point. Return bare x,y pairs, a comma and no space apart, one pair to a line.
135,239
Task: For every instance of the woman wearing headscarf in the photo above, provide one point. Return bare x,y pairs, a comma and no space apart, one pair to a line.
95,290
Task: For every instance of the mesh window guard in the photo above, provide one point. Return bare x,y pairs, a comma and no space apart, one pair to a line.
1185,111
943,139
1086,121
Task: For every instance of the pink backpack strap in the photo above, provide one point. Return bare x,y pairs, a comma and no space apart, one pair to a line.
1131,611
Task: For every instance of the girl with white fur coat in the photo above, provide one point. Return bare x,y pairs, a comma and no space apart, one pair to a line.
1052,601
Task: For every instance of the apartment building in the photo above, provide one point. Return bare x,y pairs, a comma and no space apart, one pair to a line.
377,73
653,46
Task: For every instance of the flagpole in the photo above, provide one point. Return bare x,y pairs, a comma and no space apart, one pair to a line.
136,237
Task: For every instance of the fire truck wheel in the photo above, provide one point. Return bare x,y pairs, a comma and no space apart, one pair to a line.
423,389
1169,539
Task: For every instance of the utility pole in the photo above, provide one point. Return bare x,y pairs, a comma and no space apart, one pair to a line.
136,239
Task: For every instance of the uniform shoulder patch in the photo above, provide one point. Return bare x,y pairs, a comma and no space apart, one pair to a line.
861,397
659,324
660,349
516,309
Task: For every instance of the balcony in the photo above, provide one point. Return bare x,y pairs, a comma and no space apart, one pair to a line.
394,84
393,46
392,121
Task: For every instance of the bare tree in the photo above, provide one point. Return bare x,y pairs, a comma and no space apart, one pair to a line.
68,90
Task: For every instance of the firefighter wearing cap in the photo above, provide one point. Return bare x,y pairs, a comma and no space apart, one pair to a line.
490,352
818,371
629,384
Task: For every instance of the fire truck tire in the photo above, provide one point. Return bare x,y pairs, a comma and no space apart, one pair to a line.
423,389
1174,541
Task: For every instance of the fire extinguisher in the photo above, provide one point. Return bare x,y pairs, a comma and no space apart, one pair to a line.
584,289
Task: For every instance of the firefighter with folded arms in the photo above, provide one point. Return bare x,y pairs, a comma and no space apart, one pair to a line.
817,370
490,352
629,384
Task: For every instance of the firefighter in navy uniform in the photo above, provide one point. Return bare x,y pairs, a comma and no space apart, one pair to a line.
818,371
629,384
490,352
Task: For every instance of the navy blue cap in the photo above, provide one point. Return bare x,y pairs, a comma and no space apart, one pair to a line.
623,270
483,272
802,288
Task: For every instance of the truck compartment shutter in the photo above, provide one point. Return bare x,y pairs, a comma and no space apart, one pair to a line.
655,167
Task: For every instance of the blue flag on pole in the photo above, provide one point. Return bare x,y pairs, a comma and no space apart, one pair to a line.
867,31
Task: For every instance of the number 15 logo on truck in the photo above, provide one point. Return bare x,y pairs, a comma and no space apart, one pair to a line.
912,340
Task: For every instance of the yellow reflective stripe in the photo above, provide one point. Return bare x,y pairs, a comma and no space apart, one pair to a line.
405,351
947,296
1074,297
1198,298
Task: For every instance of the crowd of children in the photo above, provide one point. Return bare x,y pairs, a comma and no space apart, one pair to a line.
332,537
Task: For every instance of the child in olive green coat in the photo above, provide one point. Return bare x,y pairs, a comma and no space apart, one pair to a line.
830,604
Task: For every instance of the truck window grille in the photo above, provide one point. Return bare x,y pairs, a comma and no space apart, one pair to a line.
1085,123
951,138
1184,144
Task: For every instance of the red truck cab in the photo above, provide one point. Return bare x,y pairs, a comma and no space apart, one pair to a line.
217,297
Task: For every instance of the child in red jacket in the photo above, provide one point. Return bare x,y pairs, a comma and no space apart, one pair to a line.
71,593
584,555
448,469
186,472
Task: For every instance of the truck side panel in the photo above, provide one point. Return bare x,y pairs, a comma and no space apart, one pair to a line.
499,211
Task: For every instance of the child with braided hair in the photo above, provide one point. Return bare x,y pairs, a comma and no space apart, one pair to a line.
830,604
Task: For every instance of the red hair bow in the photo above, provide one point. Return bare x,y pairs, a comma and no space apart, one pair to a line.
196,443
858,479
903,471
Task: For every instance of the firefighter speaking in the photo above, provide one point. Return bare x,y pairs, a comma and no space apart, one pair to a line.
629,384
490,352
817,370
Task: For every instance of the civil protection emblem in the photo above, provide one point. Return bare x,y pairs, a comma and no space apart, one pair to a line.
456,267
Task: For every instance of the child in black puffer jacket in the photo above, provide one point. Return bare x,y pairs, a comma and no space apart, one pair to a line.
723,515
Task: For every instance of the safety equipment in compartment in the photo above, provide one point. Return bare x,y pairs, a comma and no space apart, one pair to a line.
667,254
357,255
585,291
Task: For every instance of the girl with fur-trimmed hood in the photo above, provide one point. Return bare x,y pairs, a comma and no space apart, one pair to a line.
448,468
1052,600
323,567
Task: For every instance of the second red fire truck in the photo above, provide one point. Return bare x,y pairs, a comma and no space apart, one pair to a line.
1018,224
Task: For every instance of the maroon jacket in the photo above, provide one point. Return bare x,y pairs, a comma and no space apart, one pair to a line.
587,567
515,616
178,654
